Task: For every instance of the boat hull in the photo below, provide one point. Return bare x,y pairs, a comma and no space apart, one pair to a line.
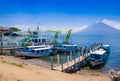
96,65
35,55
98,61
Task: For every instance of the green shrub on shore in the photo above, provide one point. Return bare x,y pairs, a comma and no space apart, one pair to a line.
15,64
26,44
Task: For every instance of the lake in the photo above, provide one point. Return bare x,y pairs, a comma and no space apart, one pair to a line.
86,40
113,61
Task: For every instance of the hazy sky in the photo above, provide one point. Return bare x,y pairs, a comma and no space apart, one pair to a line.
57,14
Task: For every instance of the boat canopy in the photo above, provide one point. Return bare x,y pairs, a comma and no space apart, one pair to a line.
99,52
46,48
69,45
40,46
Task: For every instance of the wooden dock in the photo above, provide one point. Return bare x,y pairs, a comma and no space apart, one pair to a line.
69,64
11,48
73,62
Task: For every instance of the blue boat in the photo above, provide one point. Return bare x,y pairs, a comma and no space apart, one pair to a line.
97,58
29,48
38,52
66,47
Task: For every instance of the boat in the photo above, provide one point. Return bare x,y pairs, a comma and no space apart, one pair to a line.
40,40
69,47
29,48
114,75
66,47
38,52
105,47
97,58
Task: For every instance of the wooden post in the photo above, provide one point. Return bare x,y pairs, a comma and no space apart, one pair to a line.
62,65
82,54
58,59
79,52
70,55
74,61
11,52
51,62
1,43
87,52
68,61
65,57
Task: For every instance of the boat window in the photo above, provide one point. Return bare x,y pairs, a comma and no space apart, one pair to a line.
37,51
32,40
39,40
36,40
32,50
46,50
26,48
42,50
95,56
43,40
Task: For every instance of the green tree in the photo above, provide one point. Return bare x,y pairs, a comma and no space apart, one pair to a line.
67,37
14,29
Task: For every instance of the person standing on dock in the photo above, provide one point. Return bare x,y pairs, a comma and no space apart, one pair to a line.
84,51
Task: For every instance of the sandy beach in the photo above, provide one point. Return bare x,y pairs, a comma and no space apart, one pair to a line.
16,69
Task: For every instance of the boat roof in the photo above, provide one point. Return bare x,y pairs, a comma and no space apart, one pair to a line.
42,48
69,45
106,45
41,38
99,52
35,46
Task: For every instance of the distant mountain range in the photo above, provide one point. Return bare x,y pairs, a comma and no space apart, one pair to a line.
99,28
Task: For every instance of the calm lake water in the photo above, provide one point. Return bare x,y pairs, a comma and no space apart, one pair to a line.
113,61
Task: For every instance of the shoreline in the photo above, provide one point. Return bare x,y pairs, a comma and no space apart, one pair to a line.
41,70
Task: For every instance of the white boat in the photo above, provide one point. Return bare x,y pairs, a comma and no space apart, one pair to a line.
38,52
97,58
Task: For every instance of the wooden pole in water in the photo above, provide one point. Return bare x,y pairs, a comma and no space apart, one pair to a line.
79,52
74,61
82,53
51,62
58,59
68,61
65,57
1,43
70,55
62,64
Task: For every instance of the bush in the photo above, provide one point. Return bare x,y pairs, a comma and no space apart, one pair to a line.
26,44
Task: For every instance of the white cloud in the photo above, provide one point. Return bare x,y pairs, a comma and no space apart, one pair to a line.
25,27
43,28
77,29
111,23
22,27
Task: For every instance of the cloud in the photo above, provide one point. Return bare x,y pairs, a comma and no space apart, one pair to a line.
78,29
111,23
22,27
64,30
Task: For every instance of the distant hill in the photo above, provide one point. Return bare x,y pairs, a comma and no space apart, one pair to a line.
99,28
